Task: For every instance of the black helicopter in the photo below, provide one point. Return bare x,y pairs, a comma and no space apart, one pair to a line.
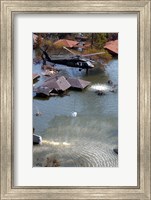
77,61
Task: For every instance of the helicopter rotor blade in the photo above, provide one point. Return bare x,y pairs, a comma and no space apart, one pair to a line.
86,55
69,50
92,61
93,54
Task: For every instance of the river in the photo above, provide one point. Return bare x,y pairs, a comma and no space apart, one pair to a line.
88,139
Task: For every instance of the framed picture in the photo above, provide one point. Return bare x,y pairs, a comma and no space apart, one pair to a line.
75,100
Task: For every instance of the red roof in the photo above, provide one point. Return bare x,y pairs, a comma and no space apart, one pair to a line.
66,43
112,46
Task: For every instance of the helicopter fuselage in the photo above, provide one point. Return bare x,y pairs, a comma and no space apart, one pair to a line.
71,61
76,61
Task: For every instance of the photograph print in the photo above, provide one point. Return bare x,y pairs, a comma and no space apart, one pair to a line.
75,99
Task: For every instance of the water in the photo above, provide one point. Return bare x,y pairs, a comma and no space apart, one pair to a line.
84,140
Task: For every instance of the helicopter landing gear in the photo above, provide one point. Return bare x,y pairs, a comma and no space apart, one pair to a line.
87,71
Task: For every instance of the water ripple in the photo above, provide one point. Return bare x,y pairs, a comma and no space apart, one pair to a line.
84,154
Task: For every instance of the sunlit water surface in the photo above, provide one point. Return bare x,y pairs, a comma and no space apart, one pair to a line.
80,129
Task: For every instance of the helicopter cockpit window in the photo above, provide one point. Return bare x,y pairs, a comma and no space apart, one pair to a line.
79,64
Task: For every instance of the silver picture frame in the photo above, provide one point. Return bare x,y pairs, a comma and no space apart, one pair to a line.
142,190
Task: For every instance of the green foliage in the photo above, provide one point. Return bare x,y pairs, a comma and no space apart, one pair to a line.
98,40
38,53
46,44
106,56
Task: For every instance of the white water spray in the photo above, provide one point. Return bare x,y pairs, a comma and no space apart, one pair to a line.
100,87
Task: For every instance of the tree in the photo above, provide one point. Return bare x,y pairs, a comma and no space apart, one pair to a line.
97,40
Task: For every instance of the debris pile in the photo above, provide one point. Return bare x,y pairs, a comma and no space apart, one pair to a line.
35,77
48,70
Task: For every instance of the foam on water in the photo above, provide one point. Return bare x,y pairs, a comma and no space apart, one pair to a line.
100,87
53,143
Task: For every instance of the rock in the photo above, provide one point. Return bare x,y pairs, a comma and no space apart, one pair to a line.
115,150
110,82
100,93
37,139
38,113
114,88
